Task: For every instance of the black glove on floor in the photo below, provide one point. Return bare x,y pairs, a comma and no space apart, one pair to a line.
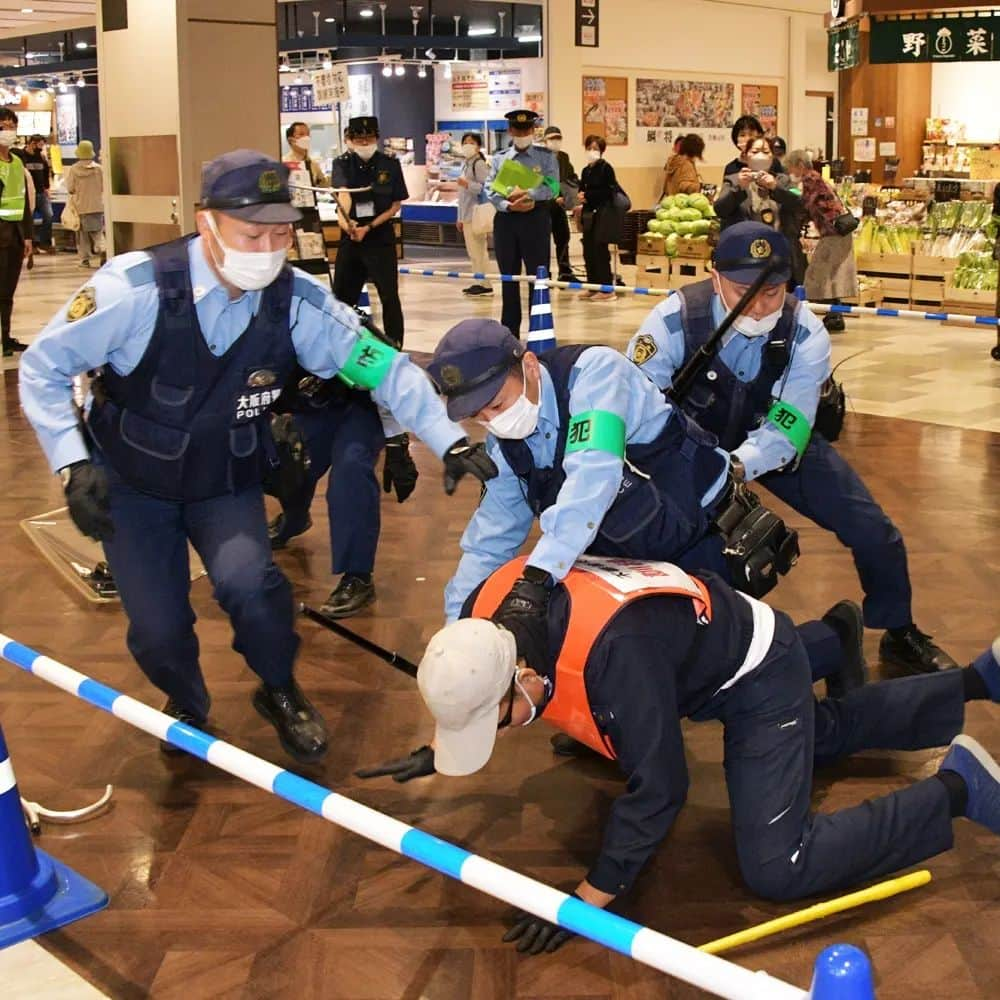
419,764
535,935
399,471
86,489
464,458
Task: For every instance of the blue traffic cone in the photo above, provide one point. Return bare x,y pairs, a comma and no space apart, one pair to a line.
541,330
37,893
364,301
800,293
842,972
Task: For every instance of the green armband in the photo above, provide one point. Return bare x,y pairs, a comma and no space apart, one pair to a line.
552,183
792,423
368,364
596,430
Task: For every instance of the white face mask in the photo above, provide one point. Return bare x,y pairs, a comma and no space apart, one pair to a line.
535,710
8,138
759,161
469,150
301,143
554,144
366,152
749,326
519,420
523,142
593,155
249,271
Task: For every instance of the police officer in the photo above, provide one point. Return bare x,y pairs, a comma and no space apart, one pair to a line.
195,339
522,227
367,249
16,227
631,648
568,181
343,434
760,397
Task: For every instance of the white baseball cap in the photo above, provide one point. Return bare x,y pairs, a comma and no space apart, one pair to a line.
464,674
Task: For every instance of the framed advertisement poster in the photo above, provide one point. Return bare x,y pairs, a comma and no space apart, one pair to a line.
605,108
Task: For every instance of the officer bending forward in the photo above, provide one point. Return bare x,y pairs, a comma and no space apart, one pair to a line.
195,339
638,646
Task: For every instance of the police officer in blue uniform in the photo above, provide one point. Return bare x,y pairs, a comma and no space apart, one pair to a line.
343,434
194,340
760,397
522,227
367,250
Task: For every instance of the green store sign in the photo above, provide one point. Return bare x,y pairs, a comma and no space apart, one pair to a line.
957,38
843,48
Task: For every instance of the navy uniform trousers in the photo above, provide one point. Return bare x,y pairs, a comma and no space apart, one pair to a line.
149,559
775,732
830,493
521,240
344,438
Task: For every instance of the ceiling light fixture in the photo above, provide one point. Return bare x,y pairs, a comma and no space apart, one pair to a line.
527,39
62,87
481,32
327,63
80,82
283,66
447,70
366,12
387,70
81,45
400,70
330,20
422,72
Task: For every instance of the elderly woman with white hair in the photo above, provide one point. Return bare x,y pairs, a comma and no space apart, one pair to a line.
831,275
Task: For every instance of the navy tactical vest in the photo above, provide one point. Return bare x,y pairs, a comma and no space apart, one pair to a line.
185,424
662,482
718,400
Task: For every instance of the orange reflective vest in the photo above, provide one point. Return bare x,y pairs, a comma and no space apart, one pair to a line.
593,602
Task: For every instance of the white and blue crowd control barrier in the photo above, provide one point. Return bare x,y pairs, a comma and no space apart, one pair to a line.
817,307
709,972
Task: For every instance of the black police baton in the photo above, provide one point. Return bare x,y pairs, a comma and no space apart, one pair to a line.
394,659
684,379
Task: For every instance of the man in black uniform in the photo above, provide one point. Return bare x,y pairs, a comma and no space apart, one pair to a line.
368,246
633,647
560,223
16,228
522,228
41,173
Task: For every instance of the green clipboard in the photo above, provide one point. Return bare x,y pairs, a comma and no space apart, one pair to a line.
513,174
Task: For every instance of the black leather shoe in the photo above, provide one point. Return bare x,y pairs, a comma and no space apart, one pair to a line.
348,597
13,346
846,620
914,651
181,715
566,746
280,531
299,726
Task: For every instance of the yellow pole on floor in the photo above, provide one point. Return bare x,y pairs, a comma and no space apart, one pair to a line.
883,890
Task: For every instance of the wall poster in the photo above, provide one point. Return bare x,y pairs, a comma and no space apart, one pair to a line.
470,90
684,104
67,133
505,90
761,101
605,108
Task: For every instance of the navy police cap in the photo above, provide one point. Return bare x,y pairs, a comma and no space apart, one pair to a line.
522,118
471,363
745,249
362,125
249,185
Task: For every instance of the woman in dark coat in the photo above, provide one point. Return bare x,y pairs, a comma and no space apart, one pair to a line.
600,218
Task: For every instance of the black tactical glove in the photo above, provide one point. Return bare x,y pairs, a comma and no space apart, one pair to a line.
465,458
86,489
376,331
287,480
535,935
399,471
524,612
419,764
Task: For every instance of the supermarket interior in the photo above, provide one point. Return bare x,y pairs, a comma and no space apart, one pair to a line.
692,309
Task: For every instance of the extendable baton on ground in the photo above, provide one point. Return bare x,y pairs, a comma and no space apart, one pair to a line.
393,659
683,380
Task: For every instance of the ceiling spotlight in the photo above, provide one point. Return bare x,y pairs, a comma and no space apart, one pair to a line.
400,70
283,66
387,70
366,12
447,70
81,45
533,37
62,87
431,54
328,63
422,72
481,32
329,20
80,82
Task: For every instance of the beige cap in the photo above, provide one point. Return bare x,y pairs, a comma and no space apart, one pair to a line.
464,674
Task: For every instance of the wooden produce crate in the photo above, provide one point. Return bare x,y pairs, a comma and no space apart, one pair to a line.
686,272
651,246
693,249
894,271
929,277
652,270
870,294
968,301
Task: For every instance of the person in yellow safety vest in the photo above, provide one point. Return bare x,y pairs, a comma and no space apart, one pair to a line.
632,648
16,229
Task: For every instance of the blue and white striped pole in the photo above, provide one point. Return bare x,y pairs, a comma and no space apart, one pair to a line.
37,893
541,329
709,972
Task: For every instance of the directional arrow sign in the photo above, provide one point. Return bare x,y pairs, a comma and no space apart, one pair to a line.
588,23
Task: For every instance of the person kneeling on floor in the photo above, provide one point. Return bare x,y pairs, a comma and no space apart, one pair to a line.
630,648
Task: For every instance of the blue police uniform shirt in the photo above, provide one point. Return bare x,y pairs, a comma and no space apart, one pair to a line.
602,379
542,161
765,448
119,329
